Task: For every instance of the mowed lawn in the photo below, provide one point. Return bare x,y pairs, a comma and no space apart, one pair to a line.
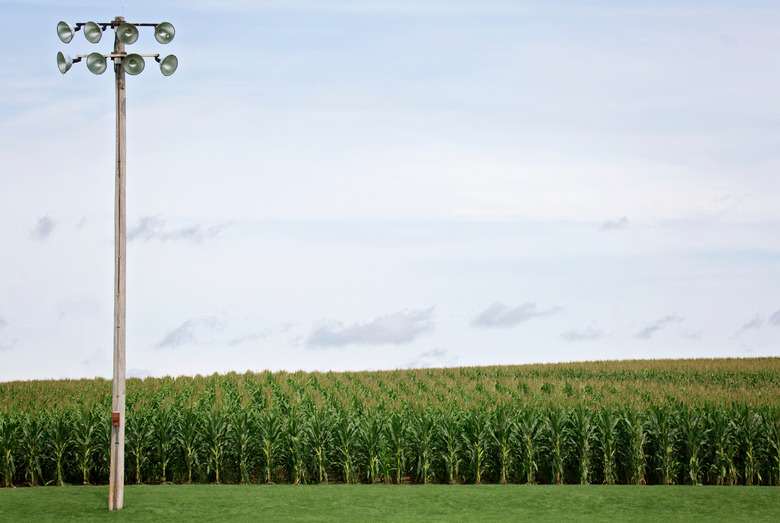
374,503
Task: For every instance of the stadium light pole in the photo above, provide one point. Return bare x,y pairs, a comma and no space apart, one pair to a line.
133,64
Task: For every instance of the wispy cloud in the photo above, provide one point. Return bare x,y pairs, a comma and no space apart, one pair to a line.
651,328
196,330
502,315
592,332
253,336
755,323
613,225
43,228
431,358
774,319
154,228
393,329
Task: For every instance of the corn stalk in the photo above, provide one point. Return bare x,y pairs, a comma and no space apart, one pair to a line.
187,441
634,438
371,444
662,431
582,434
241,440
554,430
449,444
606,436
31,448
86,425
137,438
216,429
318,439
346,445
475,440
269,429
503,432
397,435
8,433
748,431
529,427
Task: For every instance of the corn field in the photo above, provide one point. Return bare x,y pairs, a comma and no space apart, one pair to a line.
642,422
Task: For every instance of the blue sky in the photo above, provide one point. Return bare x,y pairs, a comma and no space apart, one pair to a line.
343,185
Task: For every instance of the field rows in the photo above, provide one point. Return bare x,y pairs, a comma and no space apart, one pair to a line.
685,422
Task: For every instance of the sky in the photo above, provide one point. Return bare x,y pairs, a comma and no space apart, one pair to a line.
360,185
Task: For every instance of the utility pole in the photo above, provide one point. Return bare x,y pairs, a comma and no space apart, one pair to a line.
117,470
133,64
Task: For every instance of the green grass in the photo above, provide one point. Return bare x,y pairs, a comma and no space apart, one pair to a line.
394,503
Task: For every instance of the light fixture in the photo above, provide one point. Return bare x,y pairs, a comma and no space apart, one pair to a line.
96,63
64,62
65,32
133,64
92,32
127,33
168,64
164,32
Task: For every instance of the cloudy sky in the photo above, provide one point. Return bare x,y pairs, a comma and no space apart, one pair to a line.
345,184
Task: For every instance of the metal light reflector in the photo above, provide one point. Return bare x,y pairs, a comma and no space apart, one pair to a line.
96,63
169,64
127,33
92,32
64,62
164,32
64,32
133,64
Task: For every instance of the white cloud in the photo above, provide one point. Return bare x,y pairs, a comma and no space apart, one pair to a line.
431,358
755,323
194,331
43,228
246,338
592,332
501,315
774,319
651,328
394,329
153,228
612,225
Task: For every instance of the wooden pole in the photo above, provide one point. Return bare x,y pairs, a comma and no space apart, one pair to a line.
117,470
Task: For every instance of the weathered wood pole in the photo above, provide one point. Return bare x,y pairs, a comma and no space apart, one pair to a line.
117,470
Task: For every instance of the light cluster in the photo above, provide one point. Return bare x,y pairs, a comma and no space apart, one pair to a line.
126,33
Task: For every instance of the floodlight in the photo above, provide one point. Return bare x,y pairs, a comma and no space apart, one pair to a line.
92,32
127,33
65,32
169,64
133,64
96,63
164,32
64,62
